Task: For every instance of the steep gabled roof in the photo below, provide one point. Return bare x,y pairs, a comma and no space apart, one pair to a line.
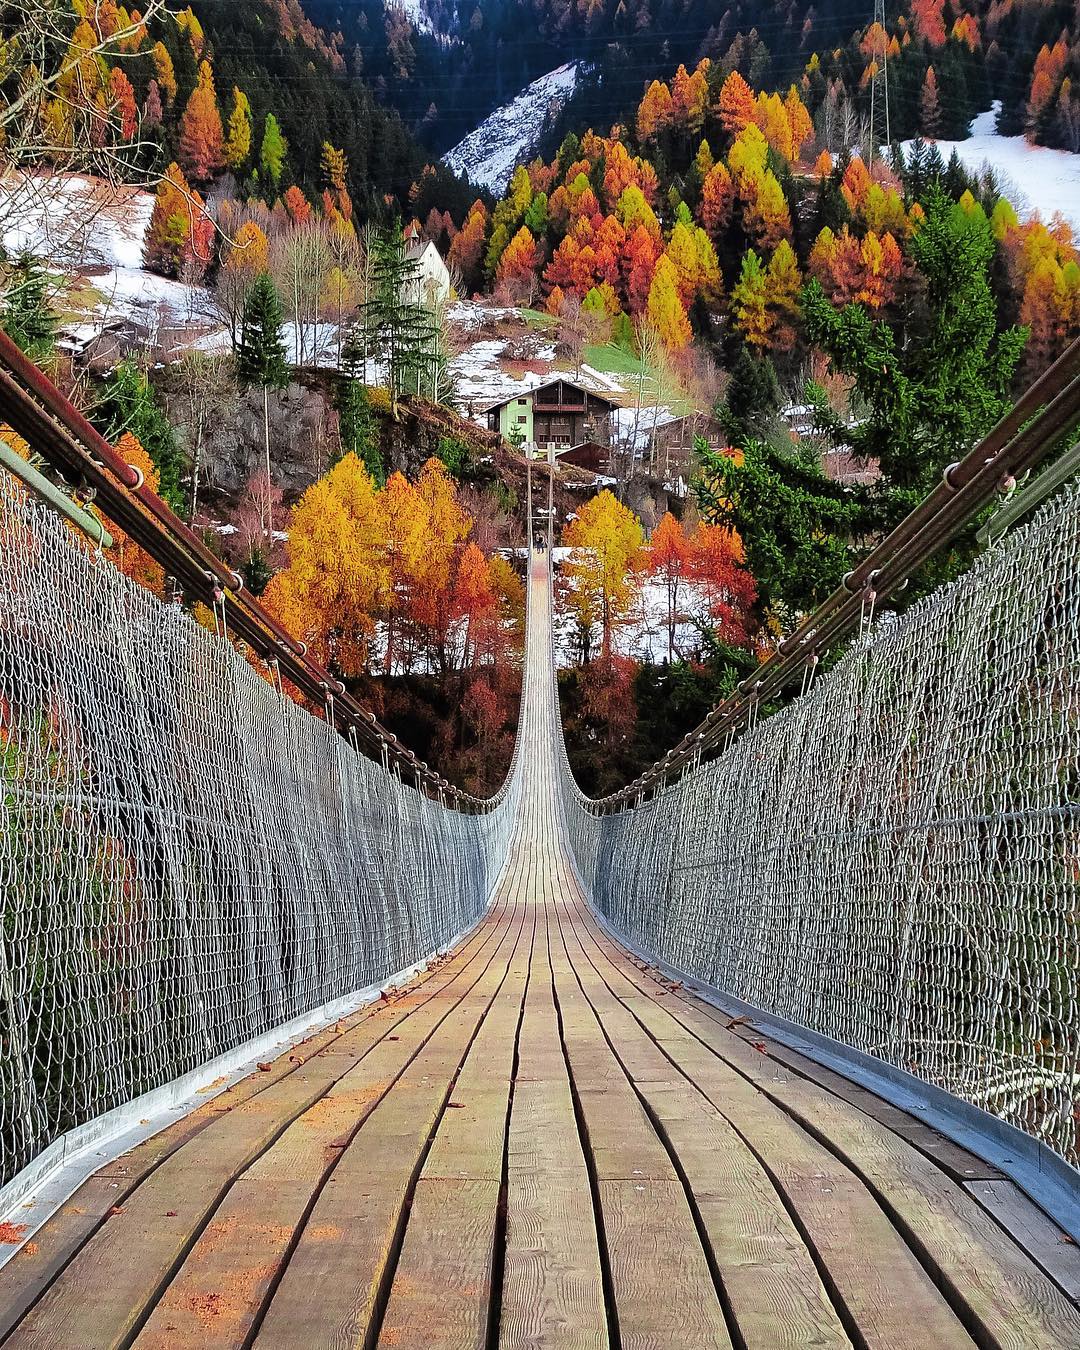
533,390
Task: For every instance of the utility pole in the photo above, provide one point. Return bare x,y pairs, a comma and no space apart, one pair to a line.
879,84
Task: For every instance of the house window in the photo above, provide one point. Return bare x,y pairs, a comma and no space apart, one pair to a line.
522,420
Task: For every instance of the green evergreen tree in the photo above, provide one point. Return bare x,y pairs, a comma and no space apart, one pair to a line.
536,216
360,428
395,326
930,389
260,362
128,403
27,316
795,522
455,454
753,396
260,352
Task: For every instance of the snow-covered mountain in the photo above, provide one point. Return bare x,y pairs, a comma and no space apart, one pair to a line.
490,154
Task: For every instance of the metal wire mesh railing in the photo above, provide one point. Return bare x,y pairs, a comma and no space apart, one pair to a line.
187,859
894,859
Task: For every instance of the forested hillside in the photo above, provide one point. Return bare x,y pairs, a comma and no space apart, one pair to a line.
277,85
445,67
711,211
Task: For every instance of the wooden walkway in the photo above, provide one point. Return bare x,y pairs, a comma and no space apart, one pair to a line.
539,1142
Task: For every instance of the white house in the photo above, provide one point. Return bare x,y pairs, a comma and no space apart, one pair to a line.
433,282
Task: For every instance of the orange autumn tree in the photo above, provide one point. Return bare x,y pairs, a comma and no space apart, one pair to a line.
181,234
736,104
669,562
717,197
605,539
517,267
202,137
335,575
718,572
467,246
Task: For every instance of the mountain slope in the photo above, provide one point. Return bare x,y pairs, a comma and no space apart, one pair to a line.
512,133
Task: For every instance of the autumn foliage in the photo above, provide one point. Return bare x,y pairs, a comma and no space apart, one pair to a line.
389,579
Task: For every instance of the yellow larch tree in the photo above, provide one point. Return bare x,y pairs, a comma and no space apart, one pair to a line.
607,555
335,575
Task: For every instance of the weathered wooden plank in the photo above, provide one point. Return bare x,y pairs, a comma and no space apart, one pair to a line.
771,1285
958,1162
553,1285
990,1278
985,1273
106,1289
442,1289
29,1273
332,1290
442,1286
643,1223
873,1276
1035,1231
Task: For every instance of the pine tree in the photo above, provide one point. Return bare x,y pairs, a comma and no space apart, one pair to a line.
260,361
260,356
395,326
27,317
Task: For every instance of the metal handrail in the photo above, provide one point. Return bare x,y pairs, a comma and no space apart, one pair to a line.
38,412
1025,436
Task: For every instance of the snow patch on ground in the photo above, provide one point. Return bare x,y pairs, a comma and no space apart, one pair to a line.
490,154
643,633
96,233
1033,177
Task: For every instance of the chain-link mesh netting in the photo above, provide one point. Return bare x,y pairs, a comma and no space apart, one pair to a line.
894,859
187,859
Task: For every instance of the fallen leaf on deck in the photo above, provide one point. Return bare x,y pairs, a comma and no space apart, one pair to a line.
264,1068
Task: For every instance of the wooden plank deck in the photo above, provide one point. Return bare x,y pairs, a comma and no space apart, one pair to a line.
542,1143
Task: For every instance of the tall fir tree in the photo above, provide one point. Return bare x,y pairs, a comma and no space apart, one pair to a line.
396,326
27,316
261,362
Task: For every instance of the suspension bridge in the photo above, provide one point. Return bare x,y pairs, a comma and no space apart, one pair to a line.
301,1047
